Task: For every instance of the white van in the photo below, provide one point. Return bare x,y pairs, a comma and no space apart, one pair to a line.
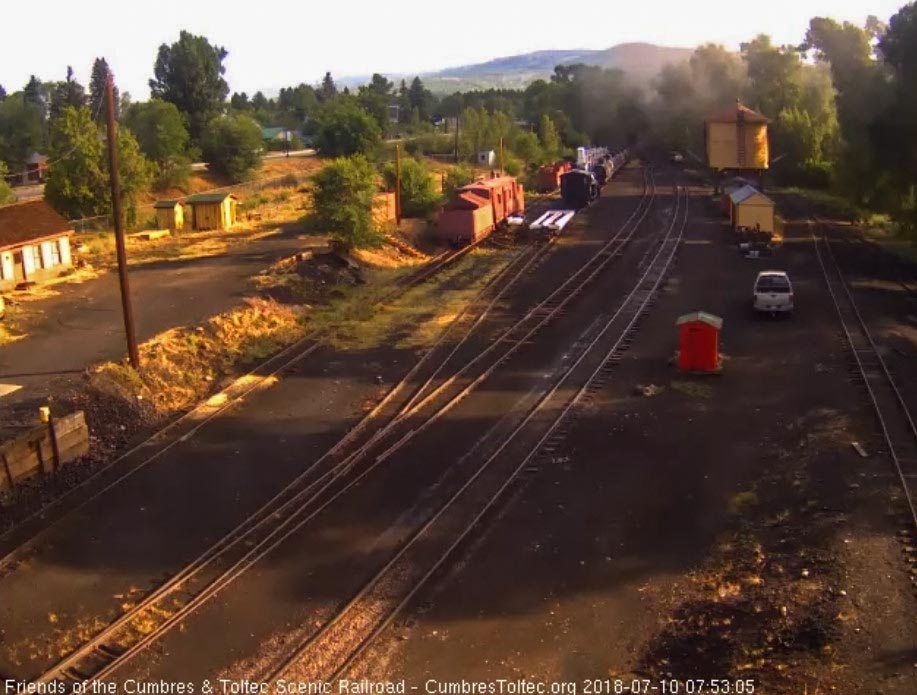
773,292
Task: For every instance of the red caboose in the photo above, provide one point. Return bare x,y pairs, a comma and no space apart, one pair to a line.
476,209
548,177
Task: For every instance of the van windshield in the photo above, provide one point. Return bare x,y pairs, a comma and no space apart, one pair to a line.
774,284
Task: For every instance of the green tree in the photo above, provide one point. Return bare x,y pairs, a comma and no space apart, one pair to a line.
97,82
328,90
420,98
36,95
78,180
342,128
527,148
375,98
67,93
6,193
2,93
775,74
161,133
232,146
343,194
21,131
189,74
418,193
550,140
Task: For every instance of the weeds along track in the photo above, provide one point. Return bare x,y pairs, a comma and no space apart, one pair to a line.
895,420
380,433
332,649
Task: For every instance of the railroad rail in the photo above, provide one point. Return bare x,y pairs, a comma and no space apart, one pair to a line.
333,648
187,425
323,482
894,417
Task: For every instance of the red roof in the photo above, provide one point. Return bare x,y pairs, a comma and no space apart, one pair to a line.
730,114
31,220
467,200
497,182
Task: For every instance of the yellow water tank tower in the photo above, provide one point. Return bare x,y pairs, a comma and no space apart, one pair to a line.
736,140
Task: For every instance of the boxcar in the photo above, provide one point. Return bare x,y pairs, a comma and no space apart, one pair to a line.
475,210
578,188
548,177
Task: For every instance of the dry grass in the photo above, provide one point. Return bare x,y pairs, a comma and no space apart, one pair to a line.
260,216
353,321
180,366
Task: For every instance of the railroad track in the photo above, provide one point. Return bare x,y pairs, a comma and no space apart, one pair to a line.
894,417
332,649
329,477
187,425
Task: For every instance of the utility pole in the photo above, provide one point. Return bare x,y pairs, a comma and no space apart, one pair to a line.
397,183
458,127
501,157
133,352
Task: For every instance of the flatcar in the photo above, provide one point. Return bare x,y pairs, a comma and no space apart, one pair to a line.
477,209
578,188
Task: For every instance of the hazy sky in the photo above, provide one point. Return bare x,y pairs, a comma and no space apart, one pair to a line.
285,42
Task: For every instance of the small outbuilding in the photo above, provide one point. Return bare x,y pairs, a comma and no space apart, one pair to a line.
34,243
170,214
751,209
213,210
699,342
487,158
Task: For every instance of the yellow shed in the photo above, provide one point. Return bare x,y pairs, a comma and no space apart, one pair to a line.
170,214
752,209
213,210
736,138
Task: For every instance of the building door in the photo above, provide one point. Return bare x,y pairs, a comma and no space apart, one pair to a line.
18,267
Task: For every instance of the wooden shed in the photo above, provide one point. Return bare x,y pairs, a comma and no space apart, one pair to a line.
736,139
213,210
751,209
170,214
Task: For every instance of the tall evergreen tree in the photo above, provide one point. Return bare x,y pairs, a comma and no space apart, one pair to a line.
329,89
2,93
97,90
67,93
34,94
189,73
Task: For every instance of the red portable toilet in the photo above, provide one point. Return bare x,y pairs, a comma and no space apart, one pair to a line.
699,342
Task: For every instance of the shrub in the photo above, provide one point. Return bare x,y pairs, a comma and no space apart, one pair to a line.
418,193
343,201
232,146
342,129
456,177
173,173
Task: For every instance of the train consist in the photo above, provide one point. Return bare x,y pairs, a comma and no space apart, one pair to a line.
477,209
548,177
580,186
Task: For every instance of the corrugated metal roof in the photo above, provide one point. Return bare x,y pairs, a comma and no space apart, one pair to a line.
742,194
208,198
23,222
730,114
703,317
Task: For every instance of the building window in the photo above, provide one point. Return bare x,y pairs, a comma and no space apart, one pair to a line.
55,253
36,256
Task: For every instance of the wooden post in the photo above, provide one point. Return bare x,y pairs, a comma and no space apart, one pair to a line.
457,129
501,157
133,351
397,184
9,473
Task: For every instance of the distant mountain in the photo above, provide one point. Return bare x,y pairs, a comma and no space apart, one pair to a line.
639,61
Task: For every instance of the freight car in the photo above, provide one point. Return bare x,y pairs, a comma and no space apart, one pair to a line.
548,177
477,209
603,171
578,188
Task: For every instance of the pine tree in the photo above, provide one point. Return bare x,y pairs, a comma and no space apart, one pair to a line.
328,90
97,90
